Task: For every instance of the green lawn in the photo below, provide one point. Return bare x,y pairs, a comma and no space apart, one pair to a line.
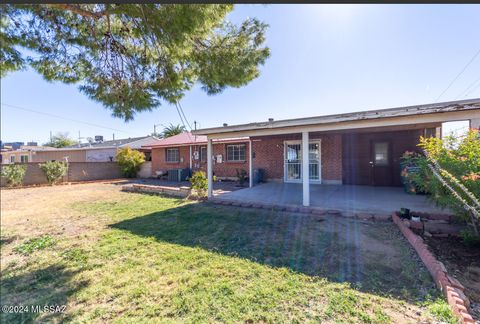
163,259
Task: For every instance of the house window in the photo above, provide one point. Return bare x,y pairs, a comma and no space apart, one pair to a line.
173,155
236,152
24,158
203,154
12,159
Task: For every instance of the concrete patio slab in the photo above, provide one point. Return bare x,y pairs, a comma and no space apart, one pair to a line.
345,198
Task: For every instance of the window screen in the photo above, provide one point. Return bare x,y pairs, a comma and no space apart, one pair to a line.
236,152
203,154
173,155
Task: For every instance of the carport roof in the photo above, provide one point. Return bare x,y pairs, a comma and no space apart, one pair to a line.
434,108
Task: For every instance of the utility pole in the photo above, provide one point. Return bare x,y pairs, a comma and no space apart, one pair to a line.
50,136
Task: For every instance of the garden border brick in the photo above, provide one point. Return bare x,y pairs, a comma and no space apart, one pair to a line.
450,287
301,209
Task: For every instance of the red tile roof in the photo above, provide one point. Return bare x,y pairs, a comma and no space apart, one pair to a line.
188,138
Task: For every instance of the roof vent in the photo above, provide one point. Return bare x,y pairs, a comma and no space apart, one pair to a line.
225,124
270,120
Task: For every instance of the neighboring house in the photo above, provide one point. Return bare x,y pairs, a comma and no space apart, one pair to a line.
190,151
137,143
95,152
24,154
361,148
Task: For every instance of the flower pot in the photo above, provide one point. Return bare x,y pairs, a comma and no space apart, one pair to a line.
415,218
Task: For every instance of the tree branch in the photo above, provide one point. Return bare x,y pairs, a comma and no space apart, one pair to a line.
78,10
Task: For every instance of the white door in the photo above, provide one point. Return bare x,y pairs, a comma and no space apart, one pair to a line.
293,161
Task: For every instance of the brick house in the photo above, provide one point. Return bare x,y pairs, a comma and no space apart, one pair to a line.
361,148
190,151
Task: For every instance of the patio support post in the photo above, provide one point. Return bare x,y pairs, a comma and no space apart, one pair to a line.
250,164
190,157
305,170
475,123
209,168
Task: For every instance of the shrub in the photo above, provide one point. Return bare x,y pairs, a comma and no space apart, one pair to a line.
130,161
450,172
54,170
241,176
14,173
199,183
469,238
34,244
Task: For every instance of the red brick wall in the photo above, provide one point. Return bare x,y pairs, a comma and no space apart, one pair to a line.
224,169
159,161
268,155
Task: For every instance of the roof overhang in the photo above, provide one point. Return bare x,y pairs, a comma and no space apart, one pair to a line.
421,114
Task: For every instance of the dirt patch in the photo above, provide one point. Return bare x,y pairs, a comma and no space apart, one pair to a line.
462,263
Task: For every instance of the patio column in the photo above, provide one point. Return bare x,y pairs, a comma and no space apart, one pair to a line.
250,164
209,168
305,170
190,157
475,123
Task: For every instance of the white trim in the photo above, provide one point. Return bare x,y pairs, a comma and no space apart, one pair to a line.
410,115
311,141
348,125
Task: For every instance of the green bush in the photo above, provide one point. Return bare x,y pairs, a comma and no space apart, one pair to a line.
469,238
54,170
199,183
14,173
456,160
34,244
130,161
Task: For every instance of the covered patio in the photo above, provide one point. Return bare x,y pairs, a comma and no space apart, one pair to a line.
347,161
344,198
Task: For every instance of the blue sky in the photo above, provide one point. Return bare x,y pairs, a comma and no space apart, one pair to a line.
325,59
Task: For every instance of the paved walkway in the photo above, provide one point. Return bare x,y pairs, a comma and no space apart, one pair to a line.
340,197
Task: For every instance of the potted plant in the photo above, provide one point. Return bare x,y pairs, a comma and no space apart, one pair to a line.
405,213
241,176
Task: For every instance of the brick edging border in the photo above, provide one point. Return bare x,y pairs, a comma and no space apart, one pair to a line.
450,287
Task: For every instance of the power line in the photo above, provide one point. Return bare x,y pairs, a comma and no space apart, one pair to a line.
61,117
458,75
472,90
178,106
466,91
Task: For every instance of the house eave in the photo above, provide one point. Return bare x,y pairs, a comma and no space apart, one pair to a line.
445,111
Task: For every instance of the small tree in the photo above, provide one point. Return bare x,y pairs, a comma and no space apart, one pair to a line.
130,161
54,170
199,183
14,174
60,140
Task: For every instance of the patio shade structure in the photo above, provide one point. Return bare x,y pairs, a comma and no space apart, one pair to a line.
414,121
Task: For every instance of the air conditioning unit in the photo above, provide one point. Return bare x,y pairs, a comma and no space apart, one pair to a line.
98,138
